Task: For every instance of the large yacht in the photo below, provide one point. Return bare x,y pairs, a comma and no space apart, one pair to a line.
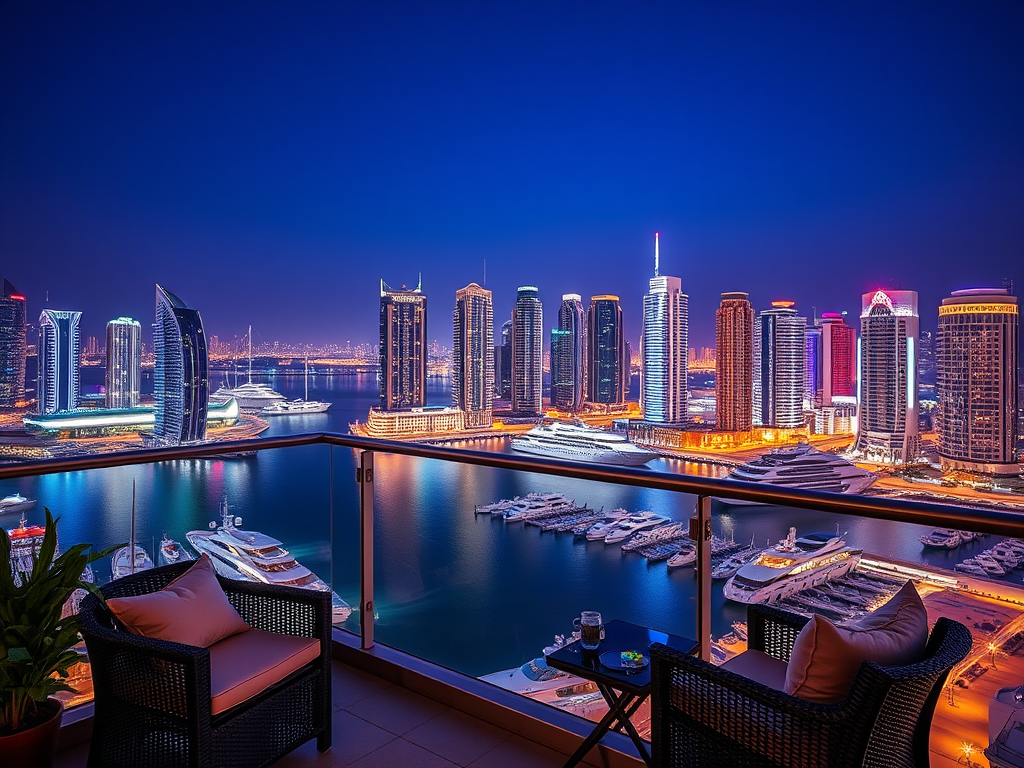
578,442
252,556
793,565
298,407
803,468
15,503
250,396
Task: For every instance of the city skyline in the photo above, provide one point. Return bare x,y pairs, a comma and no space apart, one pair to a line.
881,142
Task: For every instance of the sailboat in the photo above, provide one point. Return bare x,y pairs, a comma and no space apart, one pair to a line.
123,564
296,407
250,397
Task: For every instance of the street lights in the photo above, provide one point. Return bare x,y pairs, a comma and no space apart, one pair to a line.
968,749
992,650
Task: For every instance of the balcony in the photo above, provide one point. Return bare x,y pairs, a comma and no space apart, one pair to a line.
457,596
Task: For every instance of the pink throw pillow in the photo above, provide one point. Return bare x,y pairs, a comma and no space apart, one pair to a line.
192,609
826,658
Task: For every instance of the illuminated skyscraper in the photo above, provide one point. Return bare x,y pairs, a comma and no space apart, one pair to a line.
403,347
977,382
607,366
887,423
124,362
568,355
13,348
473,355
181,377
779,365
734,327
60,351
664,348
831,350
527,352
503,363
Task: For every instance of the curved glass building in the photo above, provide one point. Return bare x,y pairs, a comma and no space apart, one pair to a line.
60,354
181,379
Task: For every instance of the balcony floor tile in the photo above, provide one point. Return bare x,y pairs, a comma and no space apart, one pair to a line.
397,710
457,736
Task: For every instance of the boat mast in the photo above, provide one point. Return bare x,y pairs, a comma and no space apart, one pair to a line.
250,354
131,544
306,396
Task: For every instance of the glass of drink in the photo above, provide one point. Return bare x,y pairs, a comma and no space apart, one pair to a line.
591,630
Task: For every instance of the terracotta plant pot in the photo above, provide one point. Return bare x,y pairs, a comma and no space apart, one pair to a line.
35,747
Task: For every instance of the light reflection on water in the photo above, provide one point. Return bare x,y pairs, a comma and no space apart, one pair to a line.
465,591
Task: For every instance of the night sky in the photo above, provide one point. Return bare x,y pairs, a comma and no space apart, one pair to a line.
269,163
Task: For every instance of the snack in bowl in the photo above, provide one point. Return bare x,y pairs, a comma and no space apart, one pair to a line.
632,659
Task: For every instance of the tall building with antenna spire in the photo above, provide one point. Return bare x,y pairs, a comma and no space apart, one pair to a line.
473,355
664,348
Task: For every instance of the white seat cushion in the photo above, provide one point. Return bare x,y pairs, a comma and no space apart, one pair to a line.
759,667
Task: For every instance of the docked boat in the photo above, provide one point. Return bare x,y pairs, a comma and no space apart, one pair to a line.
578,442
15,503
250,396
121,563
971,567
793,565
634,524
941,538
298,407
248,555
26,541
732,564
804,468
171,551
685,556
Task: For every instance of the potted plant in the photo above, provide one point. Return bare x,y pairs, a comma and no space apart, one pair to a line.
36,644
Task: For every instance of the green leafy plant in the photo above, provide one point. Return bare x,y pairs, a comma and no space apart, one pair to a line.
35,640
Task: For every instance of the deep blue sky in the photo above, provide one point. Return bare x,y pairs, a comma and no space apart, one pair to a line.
270,163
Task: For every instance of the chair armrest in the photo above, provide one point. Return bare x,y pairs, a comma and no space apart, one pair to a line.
773,631
721,708
285,610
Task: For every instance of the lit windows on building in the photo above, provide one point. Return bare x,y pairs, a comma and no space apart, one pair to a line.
59,386
607,365
473,355
779,366
124,363
527,352
568,355
13,346
664,349
181,375
734,321
403,347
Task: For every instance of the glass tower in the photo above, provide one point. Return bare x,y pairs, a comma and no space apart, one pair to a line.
124,362
13,348
607,367
779,366
60,351
977,381
734,322
403,348
887,421
568,355
503,363
181,377
473,355
527,352
664,348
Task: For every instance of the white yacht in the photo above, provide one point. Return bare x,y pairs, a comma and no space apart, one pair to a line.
633,524
121,562
15,503
600,530
298,407
250,396
252,556
578,442
793,565
171,552
804,468
942,538
685,556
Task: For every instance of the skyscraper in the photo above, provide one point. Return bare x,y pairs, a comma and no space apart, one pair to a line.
13,347
664,348
124,362
977,380
60,346
734,328
887,425
836,376
527,352
403,347
779,357
607,367
181,377
473,355
503,363
568,355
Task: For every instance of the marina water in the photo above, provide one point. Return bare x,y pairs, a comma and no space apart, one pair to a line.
468,592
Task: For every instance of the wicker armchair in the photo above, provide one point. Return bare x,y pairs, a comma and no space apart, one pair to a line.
704,715
153,699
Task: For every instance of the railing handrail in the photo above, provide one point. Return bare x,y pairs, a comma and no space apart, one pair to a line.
898,510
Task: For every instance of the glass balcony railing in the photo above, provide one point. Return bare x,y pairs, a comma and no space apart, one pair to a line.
415,540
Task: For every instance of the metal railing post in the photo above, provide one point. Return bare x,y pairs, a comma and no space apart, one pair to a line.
364,476
704,576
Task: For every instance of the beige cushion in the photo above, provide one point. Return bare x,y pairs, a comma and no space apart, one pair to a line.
192,609
826,658
760,667
246,664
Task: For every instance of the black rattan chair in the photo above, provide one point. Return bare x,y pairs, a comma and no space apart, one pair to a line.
703,715
153,705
